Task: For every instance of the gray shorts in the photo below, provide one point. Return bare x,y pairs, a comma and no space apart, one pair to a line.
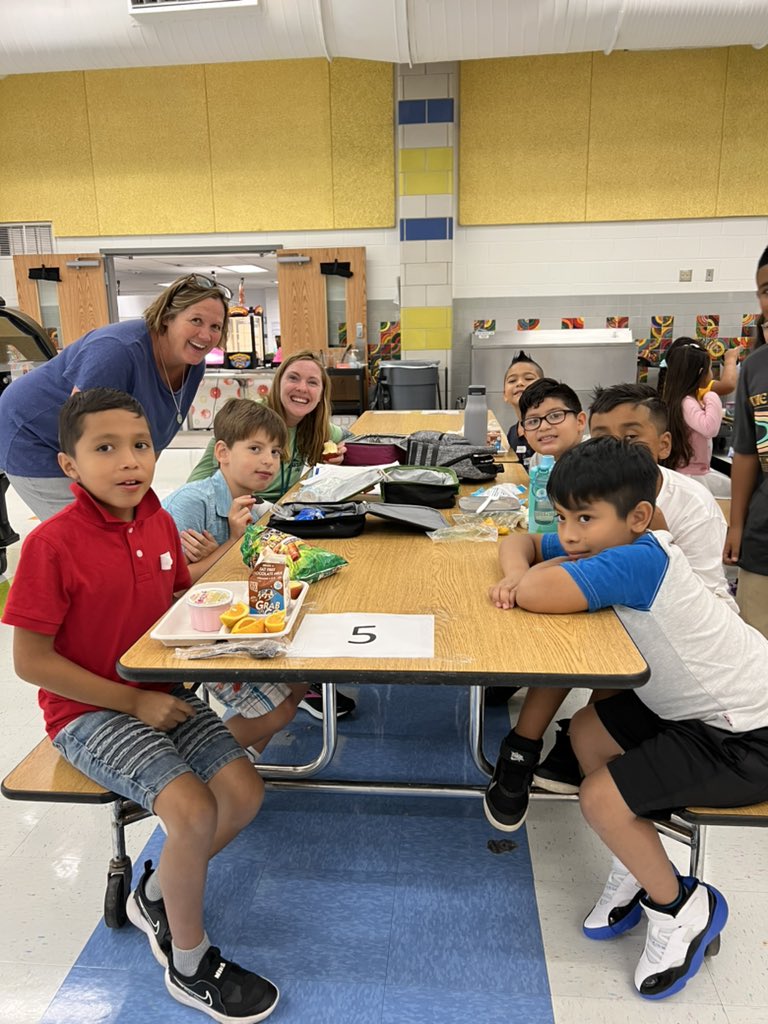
44,495
131,758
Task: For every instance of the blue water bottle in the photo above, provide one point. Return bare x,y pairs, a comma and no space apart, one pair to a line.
541,514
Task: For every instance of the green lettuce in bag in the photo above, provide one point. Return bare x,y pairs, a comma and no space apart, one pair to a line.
304,561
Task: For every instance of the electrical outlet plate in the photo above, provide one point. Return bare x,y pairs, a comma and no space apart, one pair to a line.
710,274
686,275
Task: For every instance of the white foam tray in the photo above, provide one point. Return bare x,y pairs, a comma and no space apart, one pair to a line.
175,627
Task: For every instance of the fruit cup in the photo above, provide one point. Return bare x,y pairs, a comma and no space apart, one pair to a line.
206,605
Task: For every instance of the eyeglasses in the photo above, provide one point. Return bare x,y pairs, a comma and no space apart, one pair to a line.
554,417
201,281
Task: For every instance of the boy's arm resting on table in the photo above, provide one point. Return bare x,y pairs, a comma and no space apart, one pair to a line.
548,587
517,553
199,568
744,473
36,662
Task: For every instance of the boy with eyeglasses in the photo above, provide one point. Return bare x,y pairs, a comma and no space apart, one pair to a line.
551,418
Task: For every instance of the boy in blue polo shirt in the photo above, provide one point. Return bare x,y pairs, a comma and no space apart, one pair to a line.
212,516
91,580
695,734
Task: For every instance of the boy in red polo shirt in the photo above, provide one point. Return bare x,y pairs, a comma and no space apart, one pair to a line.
91,580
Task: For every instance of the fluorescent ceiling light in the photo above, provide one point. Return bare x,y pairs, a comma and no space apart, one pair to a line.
247,268
163,284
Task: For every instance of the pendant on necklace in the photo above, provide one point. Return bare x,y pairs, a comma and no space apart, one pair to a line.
179,418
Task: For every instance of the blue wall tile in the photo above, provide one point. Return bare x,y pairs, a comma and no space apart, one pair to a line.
439,111
415,112
425,229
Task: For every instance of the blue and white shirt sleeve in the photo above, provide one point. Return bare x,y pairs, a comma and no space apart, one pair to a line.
629,575
188,507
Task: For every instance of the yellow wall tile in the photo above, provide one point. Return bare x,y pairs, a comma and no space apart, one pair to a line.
426,183
524,130
413,159
742,188
440,158
45,157
362,143
654,140
426,316
439,337
411,338
150,150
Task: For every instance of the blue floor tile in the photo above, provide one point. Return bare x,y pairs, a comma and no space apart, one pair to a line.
363,909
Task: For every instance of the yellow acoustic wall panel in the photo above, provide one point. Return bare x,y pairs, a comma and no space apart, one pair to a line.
151,156
45,157
654,139
524,129
270,126
362,143
743,188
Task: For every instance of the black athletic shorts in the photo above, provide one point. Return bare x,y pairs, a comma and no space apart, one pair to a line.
670,765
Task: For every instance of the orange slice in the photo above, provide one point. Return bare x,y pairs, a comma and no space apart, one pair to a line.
234,614
248,624
275,623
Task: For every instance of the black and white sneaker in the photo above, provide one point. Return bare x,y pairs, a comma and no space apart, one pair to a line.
149,917
559,772
223,990
506,799
312,702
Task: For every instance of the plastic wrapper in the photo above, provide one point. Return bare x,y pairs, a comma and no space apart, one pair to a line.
255,649
504,522
327,485
305,562
478,531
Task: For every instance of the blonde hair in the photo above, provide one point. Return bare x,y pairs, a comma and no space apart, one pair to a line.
314,429
185,292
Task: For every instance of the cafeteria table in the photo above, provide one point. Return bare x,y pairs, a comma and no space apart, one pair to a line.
394,570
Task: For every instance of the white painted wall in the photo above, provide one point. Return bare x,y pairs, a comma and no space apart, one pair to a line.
8,281
621,258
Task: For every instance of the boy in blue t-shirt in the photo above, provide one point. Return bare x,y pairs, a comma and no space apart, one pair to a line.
695,734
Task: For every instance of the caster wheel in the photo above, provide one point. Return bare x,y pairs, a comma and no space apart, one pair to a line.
118,890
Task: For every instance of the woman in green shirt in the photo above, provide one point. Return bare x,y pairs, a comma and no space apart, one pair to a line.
301,396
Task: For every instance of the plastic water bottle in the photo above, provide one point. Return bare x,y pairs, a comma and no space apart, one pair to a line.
541,514
476,415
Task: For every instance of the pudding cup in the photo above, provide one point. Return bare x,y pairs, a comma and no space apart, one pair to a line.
206,604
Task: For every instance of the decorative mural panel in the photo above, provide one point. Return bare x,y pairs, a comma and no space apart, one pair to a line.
572,323
528,325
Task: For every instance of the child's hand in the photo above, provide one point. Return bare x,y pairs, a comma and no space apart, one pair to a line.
160,710
732,548
197,546
502,594
731,356
239,516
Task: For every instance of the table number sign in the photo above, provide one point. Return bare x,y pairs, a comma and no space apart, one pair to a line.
365,635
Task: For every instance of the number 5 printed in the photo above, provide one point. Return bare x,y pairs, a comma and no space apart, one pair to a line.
363,631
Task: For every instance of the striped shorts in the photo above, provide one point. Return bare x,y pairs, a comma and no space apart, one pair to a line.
136,761
248,699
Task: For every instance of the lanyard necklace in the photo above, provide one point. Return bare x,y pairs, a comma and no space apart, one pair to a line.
289,465
177,405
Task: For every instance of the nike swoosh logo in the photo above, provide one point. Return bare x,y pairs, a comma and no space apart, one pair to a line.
207,998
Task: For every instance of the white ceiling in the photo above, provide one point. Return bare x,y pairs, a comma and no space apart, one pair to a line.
65,35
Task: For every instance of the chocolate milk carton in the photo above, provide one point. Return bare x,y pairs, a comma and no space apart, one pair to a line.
269,585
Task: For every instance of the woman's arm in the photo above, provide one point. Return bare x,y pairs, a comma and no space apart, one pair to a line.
707,420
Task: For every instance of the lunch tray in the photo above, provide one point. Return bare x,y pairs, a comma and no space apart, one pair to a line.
175,627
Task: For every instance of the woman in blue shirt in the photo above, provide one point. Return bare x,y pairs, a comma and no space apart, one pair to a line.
159,360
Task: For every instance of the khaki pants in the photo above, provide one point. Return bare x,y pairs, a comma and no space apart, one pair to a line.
752,599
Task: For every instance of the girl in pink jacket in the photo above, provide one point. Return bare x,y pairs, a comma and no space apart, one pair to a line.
695,411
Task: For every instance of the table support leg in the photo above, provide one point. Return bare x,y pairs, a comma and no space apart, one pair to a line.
328,749
476,712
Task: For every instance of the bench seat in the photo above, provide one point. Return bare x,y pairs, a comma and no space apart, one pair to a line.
45,775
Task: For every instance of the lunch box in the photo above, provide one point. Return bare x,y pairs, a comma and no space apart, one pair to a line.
420,485
347,518
375,449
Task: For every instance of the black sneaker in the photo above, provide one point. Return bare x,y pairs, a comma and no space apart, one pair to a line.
149,917
313,703
497,696
559,772
506,799
223,990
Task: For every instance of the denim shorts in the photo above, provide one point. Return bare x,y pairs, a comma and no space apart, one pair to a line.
249,700
136,761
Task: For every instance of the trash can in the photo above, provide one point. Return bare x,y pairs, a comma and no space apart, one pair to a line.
410,384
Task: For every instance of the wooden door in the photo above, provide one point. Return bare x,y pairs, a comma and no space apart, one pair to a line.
81,294
302,295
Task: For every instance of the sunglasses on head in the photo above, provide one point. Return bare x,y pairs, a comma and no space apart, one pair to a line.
201,281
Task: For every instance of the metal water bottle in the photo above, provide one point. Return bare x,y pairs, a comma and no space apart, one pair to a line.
476,415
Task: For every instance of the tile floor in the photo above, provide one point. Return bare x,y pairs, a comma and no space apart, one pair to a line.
462,941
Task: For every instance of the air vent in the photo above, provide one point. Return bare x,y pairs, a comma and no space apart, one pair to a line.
17,239
167,6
